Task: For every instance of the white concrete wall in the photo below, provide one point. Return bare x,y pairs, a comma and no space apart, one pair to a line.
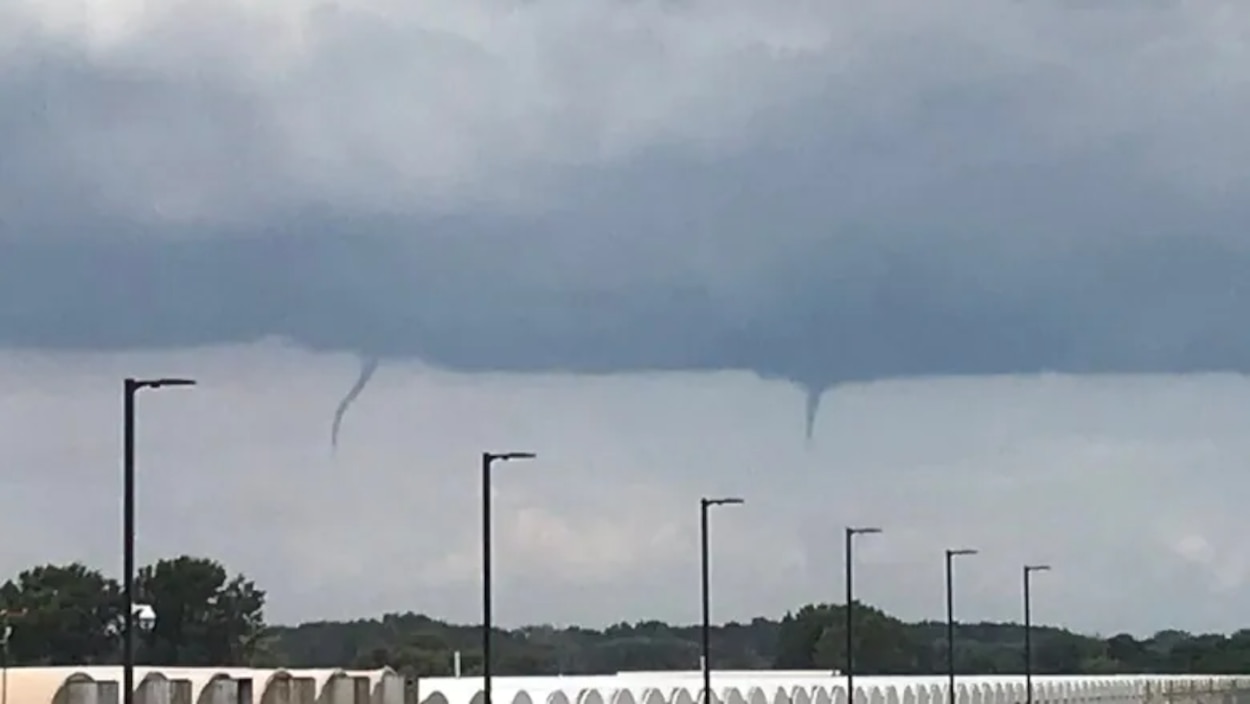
85,693
99,686
823,688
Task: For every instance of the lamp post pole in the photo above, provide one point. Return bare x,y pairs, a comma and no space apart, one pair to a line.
850,607
1028,630
706,634
489,459
950,620
130,389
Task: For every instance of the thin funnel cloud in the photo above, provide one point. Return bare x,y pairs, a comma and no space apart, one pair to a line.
368,366
811,410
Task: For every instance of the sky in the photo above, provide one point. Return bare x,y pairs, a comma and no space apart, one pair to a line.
989,256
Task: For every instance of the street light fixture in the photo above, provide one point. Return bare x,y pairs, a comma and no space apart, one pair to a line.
850,607
489,459
130,389
146,616
704,505
1028,630
950,619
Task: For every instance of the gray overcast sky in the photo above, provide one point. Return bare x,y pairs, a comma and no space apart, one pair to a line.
614,229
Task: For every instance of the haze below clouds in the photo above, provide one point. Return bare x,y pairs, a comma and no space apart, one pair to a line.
574,208
1129,485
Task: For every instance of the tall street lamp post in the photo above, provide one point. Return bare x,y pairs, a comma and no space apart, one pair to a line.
130,389
850,607
1028,630
704,505
489,459
950,620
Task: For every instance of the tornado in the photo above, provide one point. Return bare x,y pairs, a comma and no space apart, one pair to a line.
812,409
368,365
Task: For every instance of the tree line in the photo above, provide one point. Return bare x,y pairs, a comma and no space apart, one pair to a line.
73,615
70,614
812,637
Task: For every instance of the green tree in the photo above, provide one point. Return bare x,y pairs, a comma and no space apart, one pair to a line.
815,638
71,615
1123,649
203,616
798,635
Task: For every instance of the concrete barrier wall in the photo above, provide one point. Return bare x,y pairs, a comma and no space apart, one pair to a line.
85,692
219,690
100,685
261,686
820,688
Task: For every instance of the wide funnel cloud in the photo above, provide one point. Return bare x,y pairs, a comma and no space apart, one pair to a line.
817,192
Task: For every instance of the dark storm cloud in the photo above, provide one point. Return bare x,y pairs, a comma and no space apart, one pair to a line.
942,197
477,296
